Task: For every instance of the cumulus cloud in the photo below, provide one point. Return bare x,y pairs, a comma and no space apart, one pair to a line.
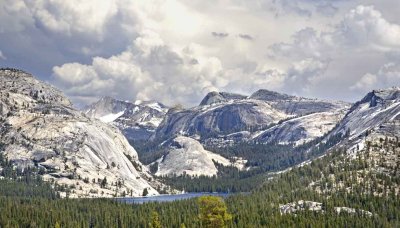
361,29
166,50
151,70
342,57
148,69
70,17
307,43
367,82
387,76
83,22
365,26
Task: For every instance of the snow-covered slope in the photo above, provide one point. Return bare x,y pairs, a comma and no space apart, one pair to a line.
136,120
40,128
187,156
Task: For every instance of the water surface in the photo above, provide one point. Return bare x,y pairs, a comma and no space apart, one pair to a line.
168,198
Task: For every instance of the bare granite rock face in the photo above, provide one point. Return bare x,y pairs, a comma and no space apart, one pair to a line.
186,156
266,116
39,127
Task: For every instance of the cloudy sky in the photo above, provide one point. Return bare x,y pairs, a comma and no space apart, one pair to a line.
177,51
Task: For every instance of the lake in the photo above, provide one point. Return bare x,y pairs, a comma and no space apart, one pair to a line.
168,198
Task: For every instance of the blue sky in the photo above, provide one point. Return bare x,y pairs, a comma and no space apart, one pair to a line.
177,51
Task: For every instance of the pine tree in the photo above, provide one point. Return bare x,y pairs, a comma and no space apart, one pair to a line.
213,212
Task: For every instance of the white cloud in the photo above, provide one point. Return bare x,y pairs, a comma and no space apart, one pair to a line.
148,69
365,26
166,50
307,43
151,70
304,73
387,76
340,59
366,83
73,16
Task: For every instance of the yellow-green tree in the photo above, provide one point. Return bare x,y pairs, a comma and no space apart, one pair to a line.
155,220
213,212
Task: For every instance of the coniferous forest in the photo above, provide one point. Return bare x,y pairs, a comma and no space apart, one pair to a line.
27,201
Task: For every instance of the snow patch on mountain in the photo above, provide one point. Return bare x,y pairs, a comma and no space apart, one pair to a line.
111,117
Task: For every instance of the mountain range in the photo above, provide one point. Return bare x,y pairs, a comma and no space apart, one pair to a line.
88,150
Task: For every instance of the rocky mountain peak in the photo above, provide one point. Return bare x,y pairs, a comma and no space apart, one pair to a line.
381,96
19,90
267,95
12,72
218,97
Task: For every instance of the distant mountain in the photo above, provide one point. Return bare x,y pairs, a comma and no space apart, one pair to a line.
136,120
40,129
264,116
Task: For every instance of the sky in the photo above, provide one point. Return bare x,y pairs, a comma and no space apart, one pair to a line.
176,52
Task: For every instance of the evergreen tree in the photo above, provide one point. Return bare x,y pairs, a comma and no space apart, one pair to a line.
213,212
